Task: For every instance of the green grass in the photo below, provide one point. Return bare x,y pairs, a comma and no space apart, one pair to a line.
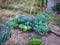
25,10
17,1
56,20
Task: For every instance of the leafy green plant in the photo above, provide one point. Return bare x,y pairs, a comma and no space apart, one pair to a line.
5,33
56,7
15,20
35,41
14,24
24,27
38,24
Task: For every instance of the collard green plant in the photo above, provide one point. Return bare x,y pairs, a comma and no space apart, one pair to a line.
24,27
5,33
35,41
15,20
27,23
14,24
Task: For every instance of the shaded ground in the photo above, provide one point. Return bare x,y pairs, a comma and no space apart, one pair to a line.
21,38
52,39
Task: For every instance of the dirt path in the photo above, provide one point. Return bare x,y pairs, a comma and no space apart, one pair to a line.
21,38
52,39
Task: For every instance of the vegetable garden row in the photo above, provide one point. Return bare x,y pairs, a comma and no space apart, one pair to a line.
24,23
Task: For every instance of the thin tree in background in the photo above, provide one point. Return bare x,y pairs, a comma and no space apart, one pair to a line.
42,4
38,3
32,6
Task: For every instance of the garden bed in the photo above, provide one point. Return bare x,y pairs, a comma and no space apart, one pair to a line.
22,38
